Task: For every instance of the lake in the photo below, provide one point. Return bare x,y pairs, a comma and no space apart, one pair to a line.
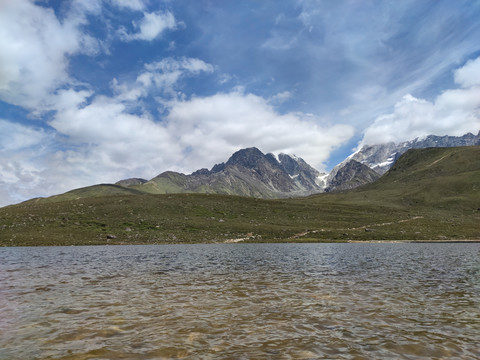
241,301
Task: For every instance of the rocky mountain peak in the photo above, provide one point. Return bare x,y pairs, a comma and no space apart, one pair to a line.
381,157
249,172
291,166
351,175
294,165
248,158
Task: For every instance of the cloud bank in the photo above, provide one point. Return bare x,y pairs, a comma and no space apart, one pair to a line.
236,120
453,112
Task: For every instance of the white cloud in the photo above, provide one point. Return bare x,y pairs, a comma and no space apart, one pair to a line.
129,4
192,65
454,112
34,50
105,143
216,126
280,97
102,142
94,138
117,137
21,148
162,75
16,137
150,26
469,75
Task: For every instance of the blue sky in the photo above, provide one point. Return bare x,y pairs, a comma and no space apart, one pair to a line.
96,91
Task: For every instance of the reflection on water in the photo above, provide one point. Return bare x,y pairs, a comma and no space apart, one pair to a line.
241,301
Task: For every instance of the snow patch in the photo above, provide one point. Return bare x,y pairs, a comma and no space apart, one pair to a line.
382,164
321,180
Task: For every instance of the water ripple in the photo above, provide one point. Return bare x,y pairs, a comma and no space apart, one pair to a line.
241,301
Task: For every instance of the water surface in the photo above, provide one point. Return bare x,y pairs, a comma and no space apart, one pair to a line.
241,301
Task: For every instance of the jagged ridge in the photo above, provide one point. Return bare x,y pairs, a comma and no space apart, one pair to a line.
248,172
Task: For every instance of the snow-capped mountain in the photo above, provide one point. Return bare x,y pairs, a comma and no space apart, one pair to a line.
381,157
249,172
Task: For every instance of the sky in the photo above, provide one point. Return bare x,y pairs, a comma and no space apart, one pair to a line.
95,91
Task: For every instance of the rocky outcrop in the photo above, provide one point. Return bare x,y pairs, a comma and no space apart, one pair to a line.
131,182
248,172
381,157
305,176
351,175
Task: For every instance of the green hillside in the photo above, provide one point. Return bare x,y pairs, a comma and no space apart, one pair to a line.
90,191
429,194
436,178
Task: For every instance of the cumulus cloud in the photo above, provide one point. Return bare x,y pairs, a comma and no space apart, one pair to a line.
21,147
117,137
101,141
165,73
150,26
102,137
469,75
93,138
453,112
216,126
16,137
34,50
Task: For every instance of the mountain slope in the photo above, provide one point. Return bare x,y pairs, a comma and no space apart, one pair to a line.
432,177
248,172
436,176
430,194
381,157
351,175
90,192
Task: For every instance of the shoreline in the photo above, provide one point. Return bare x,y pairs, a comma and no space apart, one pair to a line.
451,241
249,241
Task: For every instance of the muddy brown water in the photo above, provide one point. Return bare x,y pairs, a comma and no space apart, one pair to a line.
241,301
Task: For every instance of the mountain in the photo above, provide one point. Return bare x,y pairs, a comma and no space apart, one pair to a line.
429,194
248,172
381,157
305,176
436,178
351,175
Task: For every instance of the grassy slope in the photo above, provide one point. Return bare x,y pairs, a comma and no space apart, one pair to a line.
90,191
429,194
